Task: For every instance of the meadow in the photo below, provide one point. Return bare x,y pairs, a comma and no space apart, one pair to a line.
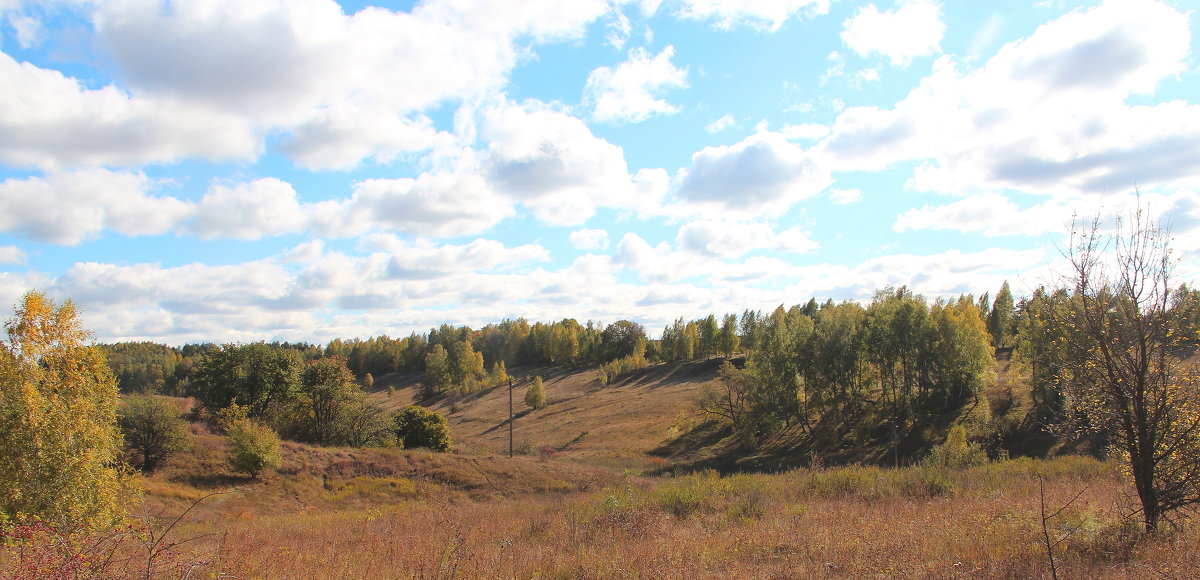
590,494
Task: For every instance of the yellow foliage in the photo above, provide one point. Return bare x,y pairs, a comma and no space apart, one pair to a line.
58,434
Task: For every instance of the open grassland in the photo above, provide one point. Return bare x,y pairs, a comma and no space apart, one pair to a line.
618,425
577,502
848,522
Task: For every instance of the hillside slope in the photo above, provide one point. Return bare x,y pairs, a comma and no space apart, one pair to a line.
616,425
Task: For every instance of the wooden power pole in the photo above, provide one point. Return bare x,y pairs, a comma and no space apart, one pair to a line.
510,418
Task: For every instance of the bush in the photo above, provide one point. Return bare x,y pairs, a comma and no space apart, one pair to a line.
253,447
421,427
535,397
956,452
152,429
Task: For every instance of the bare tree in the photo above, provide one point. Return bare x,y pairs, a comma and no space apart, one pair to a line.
1124,346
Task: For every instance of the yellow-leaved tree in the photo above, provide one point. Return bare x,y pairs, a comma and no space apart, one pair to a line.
58,431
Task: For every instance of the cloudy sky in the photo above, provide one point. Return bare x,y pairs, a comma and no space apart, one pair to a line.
237,170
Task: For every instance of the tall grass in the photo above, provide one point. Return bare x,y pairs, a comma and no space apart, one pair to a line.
852,522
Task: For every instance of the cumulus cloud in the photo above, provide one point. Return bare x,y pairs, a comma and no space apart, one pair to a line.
845,196
630,92
216,79
727,14
424,260
914,29
1047,114
733,240
71,207
12,255
551,163
433,204
725,122
52,121
990,214
761,174
588,239
248,211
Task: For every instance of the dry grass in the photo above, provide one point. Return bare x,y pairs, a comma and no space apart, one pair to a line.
571,508
852,522
613,426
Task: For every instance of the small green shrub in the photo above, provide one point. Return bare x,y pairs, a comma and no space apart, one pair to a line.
956,452
420,427
253,448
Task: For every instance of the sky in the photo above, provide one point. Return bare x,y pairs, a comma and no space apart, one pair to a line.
240,170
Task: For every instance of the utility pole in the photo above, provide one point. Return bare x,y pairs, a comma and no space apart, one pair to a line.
510,418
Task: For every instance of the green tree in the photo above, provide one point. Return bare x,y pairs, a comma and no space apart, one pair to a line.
262,377
623,338
499,374
728,340
327,389
438,377
58,430
535,396
253,448
420,427
368,382
1039,354
710,339
1001,323
153,428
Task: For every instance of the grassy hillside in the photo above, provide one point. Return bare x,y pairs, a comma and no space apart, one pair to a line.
580,501
618,425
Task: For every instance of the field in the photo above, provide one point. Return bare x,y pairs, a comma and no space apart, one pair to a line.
578,501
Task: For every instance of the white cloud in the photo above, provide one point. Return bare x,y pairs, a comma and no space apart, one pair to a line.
1047,114
51,121
589,239
28,29
990,214
727,14
914,29
70,207
249,211
733,240
551,163
763,173
630,92
424,260
845,196
216,79
804,132
12,255
433,204
725,122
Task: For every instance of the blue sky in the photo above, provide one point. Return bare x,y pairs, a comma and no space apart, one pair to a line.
238,170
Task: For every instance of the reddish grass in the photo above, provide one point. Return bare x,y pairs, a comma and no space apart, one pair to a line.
847,523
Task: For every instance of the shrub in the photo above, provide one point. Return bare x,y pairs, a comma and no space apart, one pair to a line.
253,447
535,397
956,452
420,427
